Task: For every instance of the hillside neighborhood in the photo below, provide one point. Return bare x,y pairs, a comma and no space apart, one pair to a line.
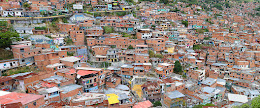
129,53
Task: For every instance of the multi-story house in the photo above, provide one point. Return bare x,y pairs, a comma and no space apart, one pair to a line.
151,91
25,53
174,99
90,78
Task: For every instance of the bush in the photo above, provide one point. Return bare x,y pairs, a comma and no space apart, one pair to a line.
4,74
186,23
120,13
64,20
157,103
196,47
164,1
5,54
130,47
126,35
218,6
149,0
151,53
40,28
19,70
70,53
158,55
200,106
207,38
108,29
105,64
69,41
113,46
174,10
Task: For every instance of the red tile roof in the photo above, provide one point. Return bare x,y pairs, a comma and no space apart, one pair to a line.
49,85
85,72
14,97
72,71
144,104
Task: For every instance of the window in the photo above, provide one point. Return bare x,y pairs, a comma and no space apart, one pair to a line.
34,103
22,50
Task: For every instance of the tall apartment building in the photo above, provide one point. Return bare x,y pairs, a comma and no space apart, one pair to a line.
77,37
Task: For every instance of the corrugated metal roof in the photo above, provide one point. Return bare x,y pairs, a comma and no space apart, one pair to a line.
175,94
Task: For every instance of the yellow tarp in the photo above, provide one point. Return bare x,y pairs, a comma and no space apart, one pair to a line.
170,50
112,98
138,90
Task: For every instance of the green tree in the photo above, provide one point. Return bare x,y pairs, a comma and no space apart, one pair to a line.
158,55
196,47
218,6
130,47
256,102
4,26
174,10
205,38
7,38
157,103
69,41
96,14
108,29
26,6
126,35
257,9
177,67
164,1
120,13
257,14
151,53
186,23
153,27
65,20
227,4
200,106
